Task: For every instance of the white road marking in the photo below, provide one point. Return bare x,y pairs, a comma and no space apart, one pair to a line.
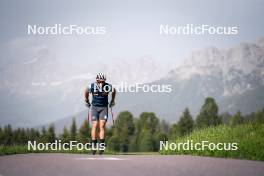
107,159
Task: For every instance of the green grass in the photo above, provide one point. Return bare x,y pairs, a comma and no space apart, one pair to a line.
15,149
250,139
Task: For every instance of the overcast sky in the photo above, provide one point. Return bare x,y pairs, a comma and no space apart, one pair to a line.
132,27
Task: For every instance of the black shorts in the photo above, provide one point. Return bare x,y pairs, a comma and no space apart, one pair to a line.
99,113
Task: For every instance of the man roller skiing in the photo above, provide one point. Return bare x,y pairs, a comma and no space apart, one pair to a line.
99,108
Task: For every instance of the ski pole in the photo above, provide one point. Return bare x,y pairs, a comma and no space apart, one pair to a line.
111,110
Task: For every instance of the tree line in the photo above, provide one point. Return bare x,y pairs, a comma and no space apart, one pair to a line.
130,134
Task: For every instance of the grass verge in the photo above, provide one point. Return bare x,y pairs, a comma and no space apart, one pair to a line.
249,137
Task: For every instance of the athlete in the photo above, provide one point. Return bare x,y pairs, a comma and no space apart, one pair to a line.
99,107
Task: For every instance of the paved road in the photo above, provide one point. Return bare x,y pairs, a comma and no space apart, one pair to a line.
125,165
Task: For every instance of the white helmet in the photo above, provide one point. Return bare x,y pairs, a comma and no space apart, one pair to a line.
100,76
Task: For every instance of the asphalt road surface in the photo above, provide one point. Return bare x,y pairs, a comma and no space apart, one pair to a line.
125,165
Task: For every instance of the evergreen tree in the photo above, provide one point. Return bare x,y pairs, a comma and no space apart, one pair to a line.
43,131
174,132
114,142
1,136
33,134
146,143
109,132
208,115
16,136
122,132
185,124
164,127
84,132
259,117
8,135
23,136
147,132
43,136
51,136
236,119
65,136
163,131
225,118
249,118
73,130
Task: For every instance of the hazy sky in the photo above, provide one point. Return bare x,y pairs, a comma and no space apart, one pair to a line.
132,27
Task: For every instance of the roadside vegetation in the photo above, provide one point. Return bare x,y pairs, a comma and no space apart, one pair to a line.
143,134
249,137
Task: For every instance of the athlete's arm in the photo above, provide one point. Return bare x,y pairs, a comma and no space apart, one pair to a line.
86,95
113,95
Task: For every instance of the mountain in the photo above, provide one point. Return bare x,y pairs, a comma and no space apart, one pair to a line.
40,89
234,77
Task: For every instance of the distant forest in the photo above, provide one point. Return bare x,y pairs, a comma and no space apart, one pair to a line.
130,134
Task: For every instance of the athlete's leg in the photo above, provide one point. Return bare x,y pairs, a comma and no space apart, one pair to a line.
102,129
103,116
94,129
102,136
95,123
102,121
95,118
